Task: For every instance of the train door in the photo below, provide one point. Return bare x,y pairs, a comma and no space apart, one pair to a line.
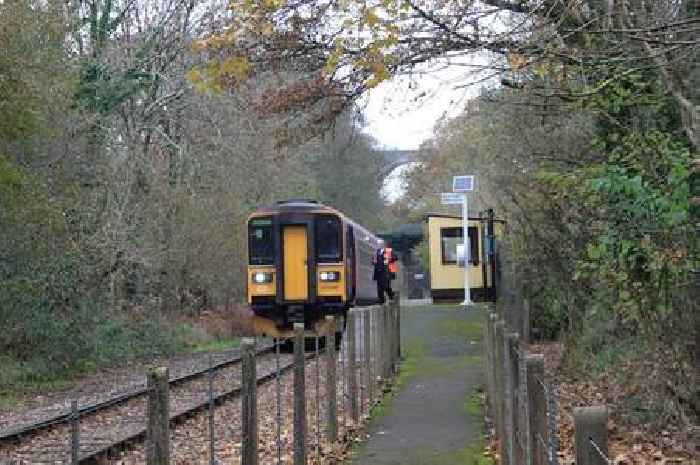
350,265
296,256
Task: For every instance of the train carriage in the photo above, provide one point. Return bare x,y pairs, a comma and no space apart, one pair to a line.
306,261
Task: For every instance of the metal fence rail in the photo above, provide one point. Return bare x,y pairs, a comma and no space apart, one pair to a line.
328,386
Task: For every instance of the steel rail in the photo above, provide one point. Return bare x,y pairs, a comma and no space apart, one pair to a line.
140,434
87,409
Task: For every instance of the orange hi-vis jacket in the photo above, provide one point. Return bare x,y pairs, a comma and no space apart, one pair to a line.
391,264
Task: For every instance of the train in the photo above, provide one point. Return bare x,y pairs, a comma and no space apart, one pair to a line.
306,260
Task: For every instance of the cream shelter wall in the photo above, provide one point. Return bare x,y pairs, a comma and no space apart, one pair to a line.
450,276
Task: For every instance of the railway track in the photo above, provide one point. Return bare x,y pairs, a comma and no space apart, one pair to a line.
114,423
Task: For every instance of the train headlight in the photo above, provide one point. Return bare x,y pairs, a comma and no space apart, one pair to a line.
262,278
329,276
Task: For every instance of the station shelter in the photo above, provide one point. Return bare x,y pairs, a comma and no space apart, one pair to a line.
446,277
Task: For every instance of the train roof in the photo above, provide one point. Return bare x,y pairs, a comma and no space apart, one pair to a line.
294,205
307,206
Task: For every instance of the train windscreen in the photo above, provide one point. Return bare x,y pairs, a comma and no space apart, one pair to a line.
260,244
328,239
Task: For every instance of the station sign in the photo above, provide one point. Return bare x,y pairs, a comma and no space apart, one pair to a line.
451,198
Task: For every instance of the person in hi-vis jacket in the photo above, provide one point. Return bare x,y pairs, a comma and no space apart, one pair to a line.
384,271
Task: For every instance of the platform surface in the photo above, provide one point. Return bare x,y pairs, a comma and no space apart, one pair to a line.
434,417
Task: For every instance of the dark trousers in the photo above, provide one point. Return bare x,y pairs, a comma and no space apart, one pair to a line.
384,286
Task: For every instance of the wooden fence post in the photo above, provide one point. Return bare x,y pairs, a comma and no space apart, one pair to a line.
367,339
352,366
591,435
75,432
526,321
158,432
537,408
391,329
500,365
386,352
511,401
489,337
299,396
398,326
249,417
331,385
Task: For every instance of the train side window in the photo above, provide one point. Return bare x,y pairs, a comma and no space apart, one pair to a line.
328,239
451,237
261,247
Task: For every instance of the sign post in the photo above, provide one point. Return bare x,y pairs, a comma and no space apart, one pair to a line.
464,184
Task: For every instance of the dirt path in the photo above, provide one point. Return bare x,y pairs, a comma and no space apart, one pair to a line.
434,418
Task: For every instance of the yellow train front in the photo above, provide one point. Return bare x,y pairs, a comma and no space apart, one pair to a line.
305,261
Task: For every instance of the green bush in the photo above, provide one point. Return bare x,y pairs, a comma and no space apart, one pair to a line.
56,317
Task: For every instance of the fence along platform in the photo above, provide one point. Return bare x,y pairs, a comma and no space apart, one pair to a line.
332,397
523,406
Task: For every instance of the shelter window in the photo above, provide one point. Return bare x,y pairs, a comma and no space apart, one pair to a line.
328,239
260,243
451,237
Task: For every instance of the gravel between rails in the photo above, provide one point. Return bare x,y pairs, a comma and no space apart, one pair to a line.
101,387
189,440
190,437
114,423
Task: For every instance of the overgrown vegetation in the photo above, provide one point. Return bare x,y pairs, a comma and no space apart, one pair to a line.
592,172
124,191
585,147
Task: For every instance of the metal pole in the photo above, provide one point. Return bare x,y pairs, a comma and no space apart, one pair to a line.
465,234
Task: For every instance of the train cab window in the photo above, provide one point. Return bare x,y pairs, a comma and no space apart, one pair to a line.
328,239
260,244
451,237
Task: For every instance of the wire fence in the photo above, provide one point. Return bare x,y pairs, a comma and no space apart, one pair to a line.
293,409
523,406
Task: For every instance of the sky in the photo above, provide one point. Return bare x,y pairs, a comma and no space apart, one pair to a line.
402,113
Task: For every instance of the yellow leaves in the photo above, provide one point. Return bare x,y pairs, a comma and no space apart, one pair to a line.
210,77
195,77
216,41
334,58
541,69
370,18
271,4
267,29
516,61
236,68
379,73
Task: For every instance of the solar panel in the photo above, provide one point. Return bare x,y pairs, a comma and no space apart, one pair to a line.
463,183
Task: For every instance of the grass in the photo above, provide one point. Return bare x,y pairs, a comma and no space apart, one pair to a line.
471,455
115,344
473,405
8,401
414,361
215,345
